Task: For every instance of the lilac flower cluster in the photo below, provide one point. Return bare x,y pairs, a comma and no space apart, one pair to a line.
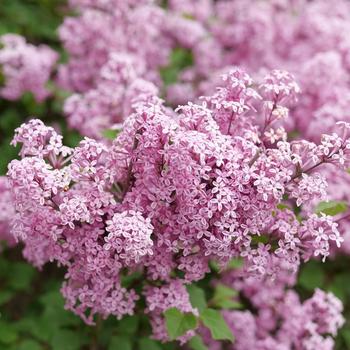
303,37
215,179
281,321
26,68
7,212
118,88
220,34
160,299
174,191
106,27
306,38
116,49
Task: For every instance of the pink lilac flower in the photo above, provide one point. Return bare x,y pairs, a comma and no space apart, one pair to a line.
116,49
26,68
159,299
173,191
306,38
292,324
118,88
130,236
211,180
7,212
281,320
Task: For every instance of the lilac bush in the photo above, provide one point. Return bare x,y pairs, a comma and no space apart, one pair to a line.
173,192
218,178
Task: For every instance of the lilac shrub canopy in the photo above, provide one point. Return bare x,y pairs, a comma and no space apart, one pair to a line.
175,190
235,172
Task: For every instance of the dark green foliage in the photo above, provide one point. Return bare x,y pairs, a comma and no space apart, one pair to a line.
37,20
179,323
213,320
180,59
331,208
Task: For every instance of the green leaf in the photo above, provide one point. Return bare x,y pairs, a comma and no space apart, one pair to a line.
127,280
5,296
149,344
338,291
120,343
52,298
228,304
178,323
42,329
311,276
72,138
222,292
235,263
59,317
256,239
342,280
128,325
223,297
4,267
8,333
196,343
214,266
346,336
282,206
197,297
9,120
331,208
54,314
214,321
111,134
180,58
293,134
66,340
25,325
21,276
340,286
30,345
